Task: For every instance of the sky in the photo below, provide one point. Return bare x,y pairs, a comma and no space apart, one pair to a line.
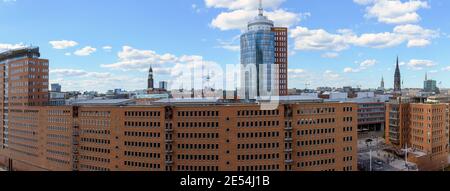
102,44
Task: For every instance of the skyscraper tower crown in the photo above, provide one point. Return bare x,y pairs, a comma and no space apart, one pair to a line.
260,22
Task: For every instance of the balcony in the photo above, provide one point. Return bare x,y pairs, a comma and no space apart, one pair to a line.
169,141
288,139
288,128
169,151
288,150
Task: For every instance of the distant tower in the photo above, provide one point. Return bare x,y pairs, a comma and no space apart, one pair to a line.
382,83
397,78
150,79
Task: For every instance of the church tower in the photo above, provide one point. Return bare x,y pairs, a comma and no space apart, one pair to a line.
150,79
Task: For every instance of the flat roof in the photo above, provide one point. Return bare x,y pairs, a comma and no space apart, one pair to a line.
108,102
17,52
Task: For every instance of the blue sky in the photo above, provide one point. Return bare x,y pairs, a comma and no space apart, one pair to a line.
104,44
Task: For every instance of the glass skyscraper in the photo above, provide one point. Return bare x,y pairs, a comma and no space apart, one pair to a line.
258,58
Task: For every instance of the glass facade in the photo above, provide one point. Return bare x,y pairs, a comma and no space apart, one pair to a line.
258,58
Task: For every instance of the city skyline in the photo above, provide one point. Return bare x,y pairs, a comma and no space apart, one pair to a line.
86,53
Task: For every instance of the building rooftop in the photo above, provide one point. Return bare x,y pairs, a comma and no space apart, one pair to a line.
18,52
104,102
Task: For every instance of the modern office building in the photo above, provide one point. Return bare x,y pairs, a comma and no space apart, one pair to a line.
55,87
264,59
430,85
420,131
163,85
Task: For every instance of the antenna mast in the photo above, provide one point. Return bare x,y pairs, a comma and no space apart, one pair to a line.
261,10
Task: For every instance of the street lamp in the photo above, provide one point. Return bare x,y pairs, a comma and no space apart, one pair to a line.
368,141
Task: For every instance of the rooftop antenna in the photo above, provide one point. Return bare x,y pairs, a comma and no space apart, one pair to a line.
260,9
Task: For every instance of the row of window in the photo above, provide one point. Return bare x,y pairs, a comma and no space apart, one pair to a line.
197,168
258,134
198,157
316,152
258,146
258,124
142,154
316,163
93,168
326,110
95,114
258,113
142,134
316,121
198,113
98,141
258,157
259,168
316,131
94,149
61,153
95,159
142,124
142,144
198,124
198,135
57,160
142,114
198,146
96,131
142,165
316,142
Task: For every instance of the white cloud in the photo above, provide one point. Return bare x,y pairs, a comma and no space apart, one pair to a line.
319,39
81,80
446,69
86,51
68,54
107,48
364,65
5,47
350,70
368,63
240,12
134,59
178,68
63,44
393,11
238,19
232,45
330,55
242,4
416,64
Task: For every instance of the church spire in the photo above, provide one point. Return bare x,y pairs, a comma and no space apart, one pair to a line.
397,78
150,84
